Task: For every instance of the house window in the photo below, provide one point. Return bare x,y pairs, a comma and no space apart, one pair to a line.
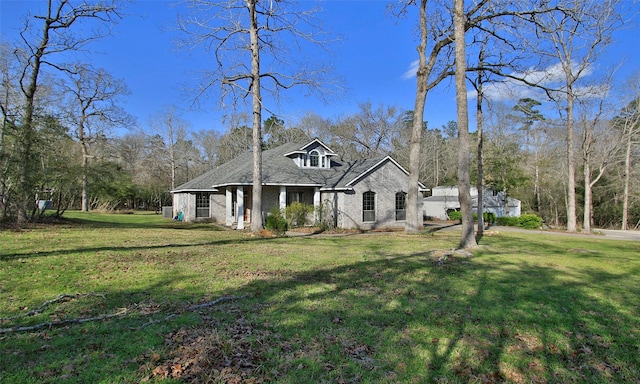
295,196
369,206
401,206
202,205
314,159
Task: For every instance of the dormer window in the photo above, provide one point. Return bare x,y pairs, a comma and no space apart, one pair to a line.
314,159
313,155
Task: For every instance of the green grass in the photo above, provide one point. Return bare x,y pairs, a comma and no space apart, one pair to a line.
350,308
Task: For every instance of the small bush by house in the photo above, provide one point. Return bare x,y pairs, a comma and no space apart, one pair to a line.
275,222
297,214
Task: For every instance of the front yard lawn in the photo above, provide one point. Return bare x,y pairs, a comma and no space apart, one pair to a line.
349,308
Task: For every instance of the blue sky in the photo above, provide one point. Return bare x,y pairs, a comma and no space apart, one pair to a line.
375,53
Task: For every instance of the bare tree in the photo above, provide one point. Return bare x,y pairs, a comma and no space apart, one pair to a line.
93,109
528,116
171,130
599,144
572,38
496,18
249,41
238,139
367,133
478,84
628,122
437,159
315,126
55,36
9,107
130,152
414,217
467,240
207,142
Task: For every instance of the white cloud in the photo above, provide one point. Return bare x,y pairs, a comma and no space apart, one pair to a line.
551,77
510,89
412,71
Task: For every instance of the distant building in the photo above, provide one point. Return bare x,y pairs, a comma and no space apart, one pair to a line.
444,199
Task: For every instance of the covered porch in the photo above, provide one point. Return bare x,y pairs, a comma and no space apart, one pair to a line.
238,201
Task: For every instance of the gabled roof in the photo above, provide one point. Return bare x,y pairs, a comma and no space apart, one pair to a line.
278,169
305,148
376,165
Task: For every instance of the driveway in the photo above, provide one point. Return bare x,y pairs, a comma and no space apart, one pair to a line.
609,234
620,235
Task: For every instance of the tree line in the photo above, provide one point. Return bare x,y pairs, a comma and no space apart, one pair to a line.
571,152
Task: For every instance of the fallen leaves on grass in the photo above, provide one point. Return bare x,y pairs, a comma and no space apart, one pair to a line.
360,353
59,317
207,355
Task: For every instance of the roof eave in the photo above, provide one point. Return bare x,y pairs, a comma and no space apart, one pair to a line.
189,190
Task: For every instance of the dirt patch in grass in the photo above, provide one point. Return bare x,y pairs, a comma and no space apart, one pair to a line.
239,351
342,231
206,354
307,230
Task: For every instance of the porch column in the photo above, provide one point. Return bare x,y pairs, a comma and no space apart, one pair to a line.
228,207
240,205
316,204
282,201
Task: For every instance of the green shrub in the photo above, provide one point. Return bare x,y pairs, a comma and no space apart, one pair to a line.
324,215
489,217
530,221
297,213
275,222
509,221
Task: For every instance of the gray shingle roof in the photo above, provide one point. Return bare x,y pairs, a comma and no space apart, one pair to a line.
278,169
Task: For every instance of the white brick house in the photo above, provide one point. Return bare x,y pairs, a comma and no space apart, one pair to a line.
364,194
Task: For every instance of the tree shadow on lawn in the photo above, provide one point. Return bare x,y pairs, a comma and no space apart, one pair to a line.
138,222
519,322
403,318
123,248
390,318
92,351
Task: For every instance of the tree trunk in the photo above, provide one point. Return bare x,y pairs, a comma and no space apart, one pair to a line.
571,166
413,223
586,220
3,174
256,208
467,240
27,134
505,201
172,158
85,182
479,122
536,187
627,179
85,164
